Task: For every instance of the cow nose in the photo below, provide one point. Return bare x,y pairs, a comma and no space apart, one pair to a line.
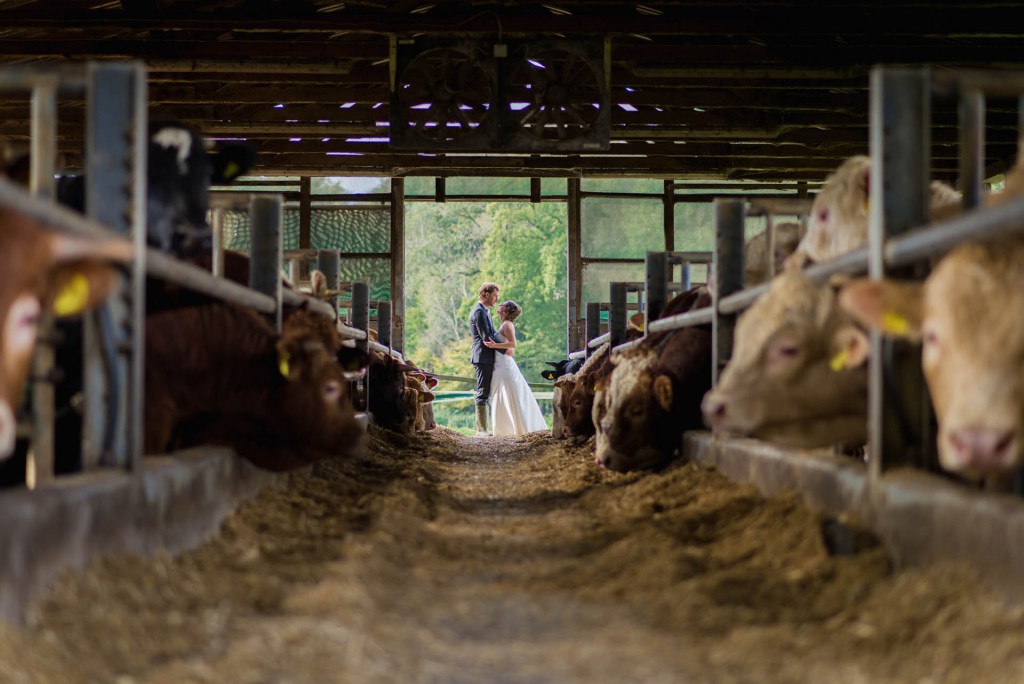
984,448
8,429
714,410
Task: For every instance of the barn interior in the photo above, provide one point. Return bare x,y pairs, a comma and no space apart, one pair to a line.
742,101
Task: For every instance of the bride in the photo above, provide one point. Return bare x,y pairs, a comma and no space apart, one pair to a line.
514,409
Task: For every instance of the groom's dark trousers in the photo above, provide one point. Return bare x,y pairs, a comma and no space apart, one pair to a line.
482,358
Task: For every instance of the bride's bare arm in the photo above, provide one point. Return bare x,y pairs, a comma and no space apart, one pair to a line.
508,331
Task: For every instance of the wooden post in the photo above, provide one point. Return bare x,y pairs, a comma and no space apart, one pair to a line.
574,266
398,263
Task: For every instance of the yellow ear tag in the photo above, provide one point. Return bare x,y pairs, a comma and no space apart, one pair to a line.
283,365
231,170
73,296
895,323
838,362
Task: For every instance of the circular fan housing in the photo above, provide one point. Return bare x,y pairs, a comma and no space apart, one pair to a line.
444,96
556,95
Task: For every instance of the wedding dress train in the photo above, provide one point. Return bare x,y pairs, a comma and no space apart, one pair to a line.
514,409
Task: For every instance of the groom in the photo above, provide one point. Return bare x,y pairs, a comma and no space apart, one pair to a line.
482,358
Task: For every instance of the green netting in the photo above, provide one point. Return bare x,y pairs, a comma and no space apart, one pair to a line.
695,227
621,228
596,278
349,229
376,273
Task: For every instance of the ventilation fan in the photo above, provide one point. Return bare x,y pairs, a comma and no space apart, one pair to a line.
443,97
558,97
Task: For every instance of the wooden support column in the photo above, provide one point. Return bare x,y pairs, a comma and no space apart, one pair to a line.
398,264
669,211
574,266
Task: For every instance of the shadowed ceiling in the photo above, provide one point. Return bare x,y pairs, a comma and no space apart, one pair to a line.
718,90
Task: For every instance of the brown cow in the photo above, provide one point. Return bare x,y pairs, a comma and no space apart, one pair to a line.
839,214
755,252
42,270
220,374
965,314
653,395
797,373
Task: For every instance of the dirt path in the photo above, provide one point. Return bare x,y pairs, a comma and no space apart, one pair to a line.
455,560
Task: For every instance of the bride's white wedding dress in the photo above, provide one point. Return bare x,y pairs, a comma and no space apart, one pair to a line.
514,409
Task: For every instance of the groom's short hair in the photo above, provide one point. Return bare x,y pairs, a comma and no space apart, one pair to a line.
487,288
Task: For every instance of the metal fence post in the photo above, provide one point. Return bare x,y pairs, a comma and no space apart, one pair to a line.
657,270
327,262
384,323
116,162
265,218
728,271
898,406
361,320
617,314
592,327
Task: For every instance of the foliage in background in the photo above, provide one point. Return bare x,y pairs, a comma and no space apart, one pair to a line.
453,247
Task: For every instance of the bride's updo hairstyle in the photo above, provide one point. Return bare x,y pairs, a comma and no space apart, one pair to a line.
511,310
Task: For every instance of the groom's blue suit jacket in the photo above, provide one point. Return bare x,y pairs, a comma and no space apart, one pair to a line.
482,329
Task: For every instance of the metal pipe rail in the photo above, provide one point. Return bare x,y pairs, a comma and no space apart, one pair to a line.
926,242
68,79
159,263
687,319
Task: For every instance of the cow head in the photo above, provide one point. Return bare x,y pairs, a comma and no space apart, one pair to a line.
560,404
386,391
972,349
180,171
629,412
316,402
797,374
43,270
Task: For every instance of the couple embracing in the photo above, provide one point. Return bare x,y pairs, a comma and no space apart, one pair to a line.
499,382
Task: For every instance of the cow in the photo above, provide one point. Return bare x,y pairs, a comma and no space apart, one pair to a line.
755,252
560,368
578,417
965,316
180,171
43,270
386,387
797,375
219,374
418,402
840,211
652,396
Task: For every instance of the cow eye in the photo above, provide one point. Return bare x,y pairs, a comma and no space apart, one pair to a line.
823,215
784,350
332,390
636,411
929,336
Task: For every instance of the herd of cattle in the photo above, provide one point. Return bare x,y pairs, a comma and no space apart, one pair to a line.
798,371
220,374
215,373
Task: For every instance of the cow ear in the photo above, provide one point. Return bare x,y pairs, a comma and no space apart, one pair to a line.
663,392
77,287
426,397
637,321
231,161
353,359
850,348
892,307
548,374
